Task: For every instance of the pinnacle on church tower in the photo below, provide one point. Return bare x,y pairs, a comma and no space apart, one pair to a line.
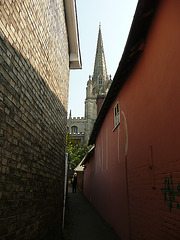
100,77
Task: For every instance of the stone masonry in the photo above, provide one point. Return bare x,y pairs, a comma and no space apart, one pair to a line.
97,88
34,81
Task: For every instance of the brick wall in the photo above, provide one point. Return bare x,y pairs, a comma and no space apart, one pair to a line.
34,74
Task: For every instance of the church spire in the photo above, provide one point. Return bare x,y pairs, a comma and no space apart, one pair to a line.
100,76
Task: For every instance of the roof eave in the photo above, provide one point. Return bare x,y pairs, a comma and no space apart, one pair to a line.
87,156
73,34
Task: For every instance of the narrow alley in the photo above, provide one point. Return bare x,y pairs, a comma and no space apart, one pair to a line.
120,142
83,222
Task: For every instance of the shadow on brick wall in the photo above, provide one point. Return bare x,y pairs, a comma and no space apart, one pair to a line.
32,149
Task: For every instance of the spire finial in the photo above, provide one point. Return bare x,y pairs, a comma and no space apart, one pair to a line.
99,64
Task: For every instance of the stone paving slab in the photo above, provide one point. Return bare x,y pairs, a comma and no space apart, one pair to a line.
83,222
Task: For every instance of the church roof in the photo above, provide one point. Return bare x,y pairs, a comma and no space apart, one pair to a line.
100,63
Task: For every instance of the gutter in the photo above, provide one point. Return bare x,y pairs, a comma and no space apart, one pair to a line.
73,34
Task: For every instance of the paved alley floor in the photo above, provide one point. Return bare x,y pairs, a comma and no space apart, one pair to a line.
83,222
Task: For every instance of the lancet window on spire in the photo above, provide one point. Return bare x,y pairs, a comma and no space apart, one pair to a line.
100,80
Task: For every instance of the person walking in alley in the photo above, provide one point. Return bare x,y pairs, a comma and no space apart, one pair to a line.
74,182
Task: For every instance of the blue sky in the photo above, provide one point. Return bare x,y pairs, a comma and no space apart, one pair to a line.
115,17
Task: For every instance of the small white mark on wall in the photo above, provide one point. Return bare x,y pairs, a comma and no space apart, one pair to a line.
126,133
106,150
96,162
99,162
118,143
102,152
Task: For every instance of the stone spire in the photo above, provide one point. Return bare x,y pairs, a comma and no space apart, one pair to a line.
100,76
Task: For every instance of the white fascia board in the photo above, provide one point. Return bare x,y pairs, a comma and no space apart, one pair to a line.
73,34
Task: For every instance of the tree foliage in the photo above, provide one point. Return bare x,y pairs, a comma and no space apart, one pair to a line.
75,152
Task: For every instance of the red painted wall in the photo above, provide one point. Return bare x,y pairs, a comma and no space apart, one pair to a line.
133,176
80,177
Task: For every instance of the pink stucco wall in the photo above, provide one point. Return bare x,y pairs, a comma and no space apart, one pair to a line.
132,178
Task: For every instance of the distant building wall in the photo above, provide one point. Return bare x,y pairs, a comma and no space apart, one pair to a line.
133,178
79,124
34,80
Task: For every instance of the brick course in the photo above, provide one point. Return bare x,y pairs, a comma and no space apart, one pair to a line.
34,80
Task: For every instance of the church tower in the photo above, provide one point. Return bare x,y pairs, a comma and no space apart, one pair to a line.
96,90
97,85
